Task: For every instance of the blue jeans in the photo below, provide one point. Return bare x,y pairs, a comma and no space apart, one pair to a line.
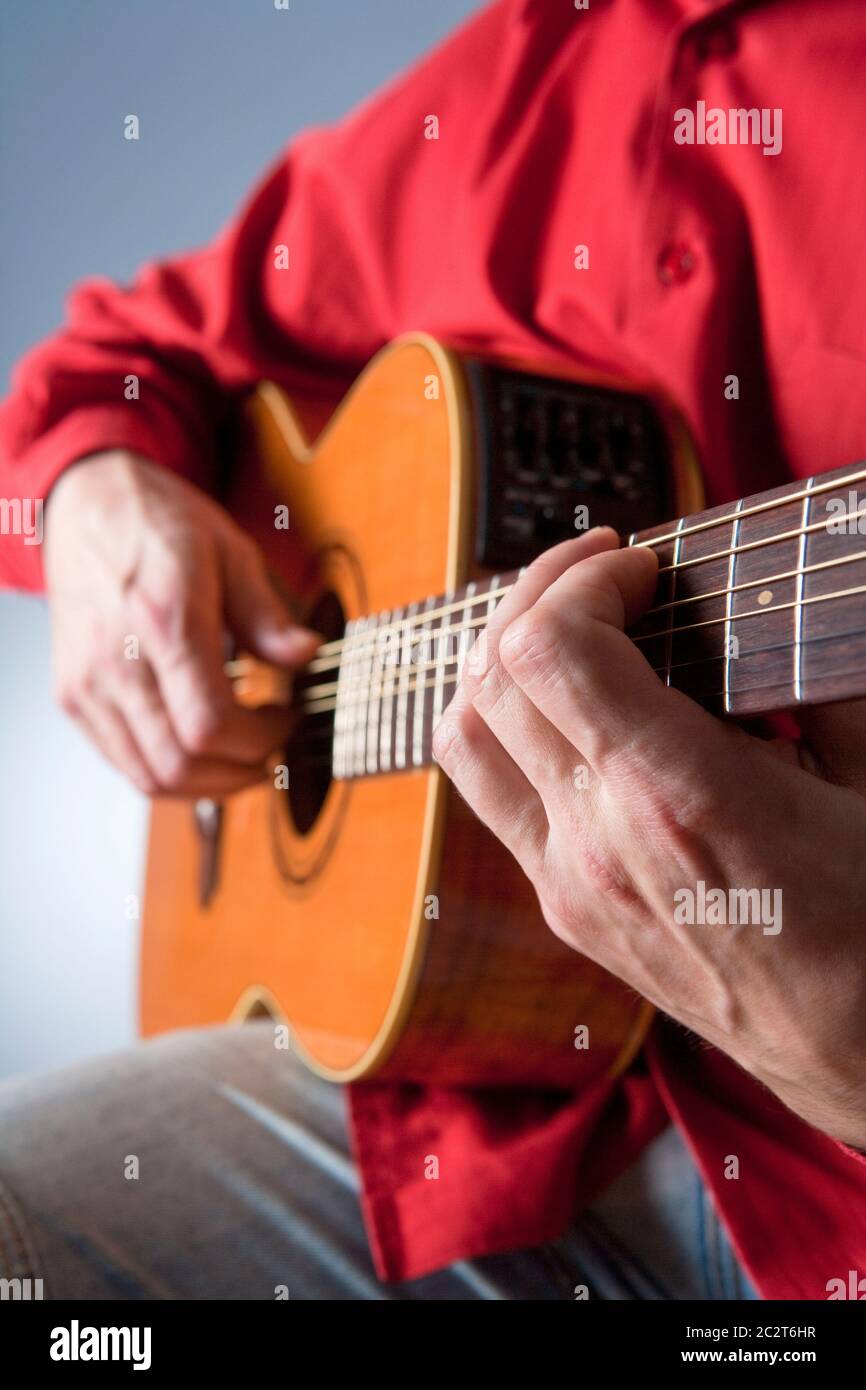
210,1165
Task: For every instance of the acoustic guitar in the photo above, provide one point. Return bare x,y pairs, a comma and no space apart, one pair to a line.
354,895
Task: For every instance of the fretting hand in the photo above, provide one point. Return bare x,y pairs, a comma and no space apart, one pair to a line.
619,796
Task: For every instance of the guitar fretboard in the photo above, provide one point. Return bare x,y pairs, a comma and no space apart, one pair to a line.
761,605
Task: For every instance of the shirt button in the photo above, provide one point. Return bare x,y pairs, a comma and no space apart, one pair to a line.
676,263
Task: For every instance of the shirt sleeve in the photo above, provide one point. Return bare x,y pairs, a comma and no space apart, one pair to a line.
327,260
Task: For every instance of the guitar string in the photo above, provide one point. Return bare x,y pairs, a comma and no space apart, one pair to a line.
756,583
327,761
428,635
326,736
686,627
772,505
785,646
355,644
827,485
758,545
361,693
703,699
356,641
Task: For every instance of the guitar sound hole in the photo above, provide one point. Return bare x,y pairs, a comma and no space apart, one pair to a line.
308,755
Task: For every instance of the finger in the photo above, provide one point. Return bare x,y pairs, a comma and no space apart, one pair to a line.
255,613
137,696
544,755
173,769
546,758
543,572
491,783
181,634
208,777
570,655
105,726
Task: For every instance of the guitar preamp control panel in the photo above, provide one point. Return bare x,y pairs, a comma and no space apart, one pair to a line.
547,447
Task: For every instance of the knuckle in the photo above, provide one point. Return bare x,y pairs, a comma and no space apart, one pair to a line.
448,741
124,675
167,592
65,695
178,622
565,909
199,727
478,656
87,684
533,644
171,568
162,612
606,875
484,677
82,687
558,900
172,768
486,686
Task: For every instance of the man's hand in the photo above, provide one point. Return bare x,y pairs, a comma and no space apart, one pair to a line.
145,575
670,796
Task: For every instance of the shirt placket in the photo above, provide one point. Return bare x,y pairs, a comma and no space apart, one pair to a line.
671,245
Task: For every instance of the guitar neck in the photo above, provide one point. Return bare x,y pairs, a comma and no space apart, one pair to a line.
761,606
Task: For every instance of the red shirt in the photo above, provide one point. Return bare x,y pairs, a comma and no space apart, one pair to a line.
556,129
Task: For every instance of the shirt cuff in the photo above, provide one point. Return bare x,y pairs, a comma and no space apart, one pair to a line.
90,430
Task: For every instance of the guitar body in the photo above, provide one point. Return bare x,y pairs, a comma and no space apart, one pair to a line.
389,928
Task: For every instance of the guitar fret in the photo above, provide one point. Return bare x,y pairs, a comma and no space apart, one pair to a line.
768,546
363,664
351,697
492,603
351,705
669,645
387,752
833,636
338,762
729,605
376,681
440,656
400,748
464,639
799,588
419,696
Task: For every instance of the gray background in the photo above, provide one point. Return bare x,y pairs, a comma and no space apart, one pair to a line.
219,86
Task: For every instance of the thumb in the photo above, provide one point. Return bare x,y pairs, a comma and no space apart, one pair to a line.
256,614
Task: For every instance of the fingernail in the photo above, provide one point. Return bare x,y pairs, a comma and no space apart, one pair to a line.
305,637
